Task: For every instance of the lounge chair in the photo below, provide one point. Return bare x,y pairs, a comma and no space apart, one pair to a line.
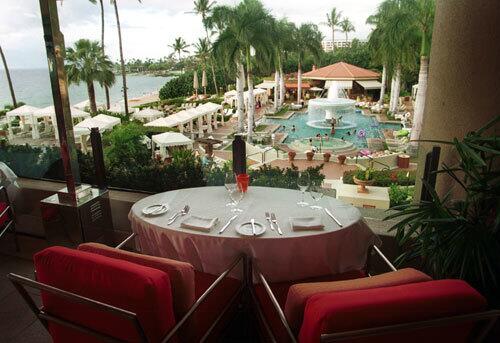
399,306
98,293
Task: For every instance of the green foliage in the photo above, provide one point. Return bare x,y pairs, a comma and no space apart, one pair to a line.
182,85
458,236
267,176
400,195
124,146
382,178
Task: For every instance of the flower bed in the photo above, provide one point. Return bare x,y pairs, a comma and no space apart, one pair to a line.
384,178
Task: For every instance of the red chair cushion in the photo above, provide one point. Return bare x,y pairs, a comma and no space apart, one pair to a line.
142,290
299,293
6,216
360,309
181,274
280,291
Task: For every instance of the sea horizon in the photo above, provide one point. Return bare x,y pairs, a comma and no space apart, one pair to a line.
32,86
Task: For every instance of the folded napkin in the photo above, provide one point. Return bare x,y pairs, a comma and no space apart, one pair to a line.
199,223
306,223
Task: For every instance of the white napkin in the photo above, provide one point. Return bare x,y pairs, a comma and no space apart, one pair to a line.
199,223
306,223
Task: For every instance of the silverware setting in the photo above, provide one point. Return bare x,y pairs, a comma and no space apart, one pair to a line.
228,223
182,212
268,218
252,221
275,222
333,217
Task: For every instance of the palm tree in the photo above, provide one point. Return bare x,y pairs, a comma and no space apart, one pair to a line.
122,60
345,27
9,81
333,21
86,63
307,41
282,35
179,46
245,34
398,36
106,89
203,54
203,8
377,52
423,11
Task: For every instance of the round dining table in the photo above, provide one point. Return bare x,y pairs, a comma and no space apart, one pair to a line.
294,255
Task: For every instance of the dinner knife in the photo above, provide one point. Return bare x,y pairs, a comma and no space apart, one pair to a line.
252,221
228,223
275,221
333,217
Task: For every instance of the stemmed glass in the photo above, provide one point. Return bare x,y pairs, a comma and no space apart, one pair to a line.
317,194
303,183
234,191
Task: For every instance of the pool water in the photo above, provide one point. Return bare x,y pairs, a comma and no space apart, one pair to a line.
303,132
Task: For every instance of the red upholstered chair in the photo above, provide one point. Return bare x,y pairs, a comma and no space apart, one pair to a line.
95,294
7,216
400,306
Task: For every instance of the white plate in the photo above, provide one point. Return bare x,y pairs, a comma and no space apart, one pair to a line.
245,229
155,210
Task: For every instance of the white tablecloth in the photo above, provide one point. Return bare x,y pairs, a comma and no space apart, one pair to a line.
295,255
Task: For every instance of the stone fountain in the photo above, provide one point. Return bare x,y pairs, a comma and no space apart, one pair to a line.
322,111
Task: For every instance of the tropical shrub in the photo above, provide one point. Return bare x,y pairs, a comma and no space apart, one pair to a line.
400,195
383,178
458,236
267,176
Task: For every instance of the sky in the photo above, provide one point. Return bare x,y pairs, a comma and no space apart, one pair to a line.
148,28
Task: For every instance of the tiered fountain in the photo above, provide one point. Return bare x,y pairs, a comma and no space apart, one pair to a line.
322,111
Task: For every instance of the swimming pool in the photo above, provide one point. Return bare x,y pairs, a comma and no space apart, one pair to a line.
303,132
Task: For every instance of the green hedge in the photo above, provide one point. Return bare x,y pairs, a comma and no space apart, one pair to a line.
384,178
400,195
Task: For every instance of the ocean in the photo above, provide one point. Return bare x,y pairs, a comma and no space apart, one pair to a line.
32,86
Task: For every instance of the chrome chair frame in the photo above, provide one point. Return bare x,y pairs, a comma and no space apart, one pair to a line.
10,224
20,282
479,333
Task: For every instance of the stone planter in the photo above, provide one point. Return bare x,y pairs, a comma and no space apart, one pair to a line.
326,156
341,158
309,155
362,184
291,155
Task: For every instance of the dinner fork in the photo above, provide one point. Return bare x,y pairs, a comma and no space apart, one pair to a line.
182,212
268,218
275,221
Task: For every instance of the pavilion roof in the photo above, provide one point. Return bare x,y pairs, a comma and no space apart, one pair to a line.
341,71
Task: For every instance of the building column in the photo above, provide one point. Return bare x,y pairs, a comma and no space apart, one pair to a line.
464,77
200,126
209,122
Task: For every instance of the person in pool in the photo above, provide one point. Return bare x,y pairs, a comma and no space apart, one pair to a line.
342,138
348,133
293,128
326,137
310,141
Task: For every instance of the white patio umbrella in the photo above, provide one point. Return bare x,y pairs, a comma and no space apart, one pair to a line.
86,104
195,82
147,114
204,81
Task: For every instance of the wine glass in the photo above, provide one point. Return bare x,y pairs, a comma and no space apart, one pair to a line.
303,183
236,196
230,184
317,194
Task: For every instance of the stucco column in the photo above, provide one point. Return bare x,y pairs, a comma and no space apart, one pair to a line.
464,76
200,126
209,123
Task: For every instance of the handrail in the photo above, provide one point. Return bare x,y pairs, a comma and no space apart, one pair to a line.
354,334
385,259
126,240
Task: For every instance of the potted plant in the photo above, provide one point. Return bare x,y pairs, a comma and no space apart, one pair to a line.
310,155
326,156
364,178
341,158
291,155
456,235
